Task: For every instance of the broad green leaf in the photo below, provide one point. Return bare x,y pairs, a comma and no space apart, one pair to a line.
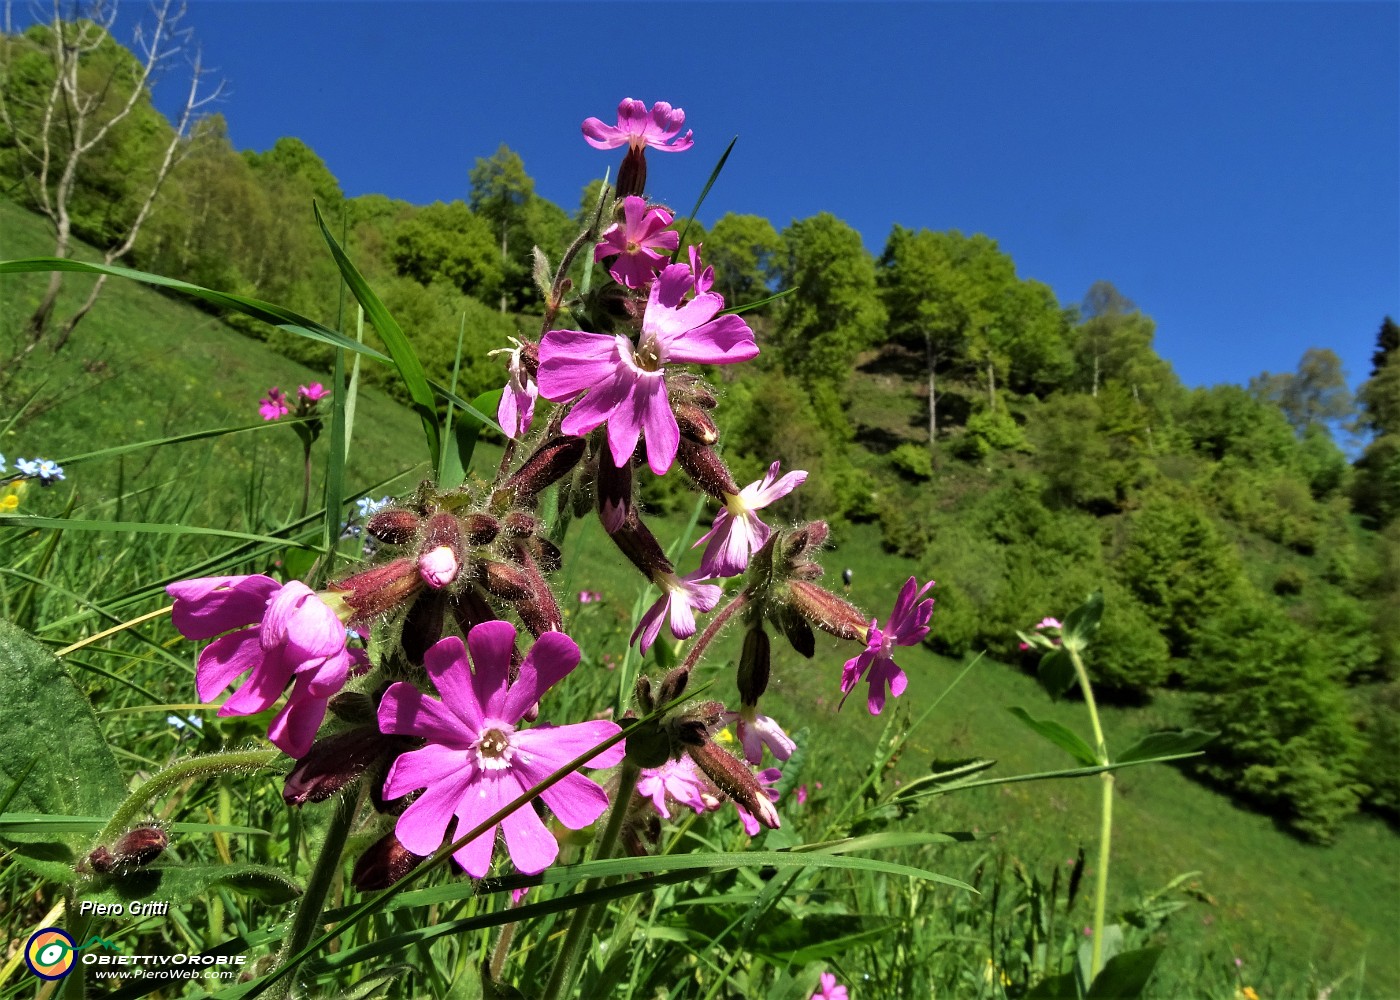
1125,975
405,359
1166,744
461,443
1056,672
1083,622
1066,739
49,733
177,883
1061,987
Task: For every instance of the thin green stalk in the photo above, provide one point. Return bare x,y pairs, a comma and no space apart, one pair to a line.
328,861
205,765
561,983
1106,821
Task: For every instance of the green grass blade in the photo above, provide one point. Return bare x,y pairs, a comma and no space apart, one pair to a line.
268,312
405,359
140,527
714,176
122,449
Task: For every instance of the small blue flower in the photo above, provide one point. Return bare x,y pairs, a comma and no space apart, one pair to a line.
49,472
2,463
370,507
27,467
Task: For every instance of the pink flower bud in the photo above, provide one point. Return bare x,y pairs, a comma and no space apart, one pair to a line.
735,779
438,567
381,589
385,862
550,462
334,762
394,527
704,465
826,611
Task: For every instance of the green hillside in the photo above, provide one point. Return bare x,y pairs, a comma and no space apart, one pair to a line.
1300,916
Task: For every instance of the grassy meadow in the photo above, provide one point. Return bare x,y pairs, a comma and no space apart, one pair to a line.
145,366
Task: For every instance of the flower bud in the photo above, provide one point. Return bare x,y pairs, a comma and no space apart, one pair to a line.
696,424
704,465
672,685
795,628
546,553
333,762
134,849
614,490
539,610
734,777
529,356
395,526
521,524
380,589
550,462
440,555
353,706
479,528
384,862
827,611
509,583
683,387
754,665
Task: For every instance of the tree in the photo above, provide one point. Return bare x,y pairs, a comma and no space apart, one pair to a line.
1376,488
500,192
744,251
1316,394
94,87
448,243
835,312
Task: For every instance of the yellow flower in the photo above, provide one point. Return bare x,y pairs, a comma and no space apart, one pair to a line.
1246,993
9,496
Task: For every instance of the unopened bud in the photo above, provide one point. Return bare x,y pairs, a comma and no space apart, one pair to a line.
684,387
440,555
333,762
470,609
521,524
827,611
672,685
550,462
479,528
509,583
798,546
640,546
754,666
704,465
395,526
735,779
384,862
381,589
795,629
696,424
133,849
614,491
546,553
352,706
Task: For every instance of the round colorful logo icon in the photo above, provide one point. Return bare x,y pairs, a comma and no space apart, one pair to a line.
50,953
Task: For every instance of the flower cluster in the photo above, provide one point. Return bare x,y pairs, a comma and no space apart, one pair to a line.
455,595
46,471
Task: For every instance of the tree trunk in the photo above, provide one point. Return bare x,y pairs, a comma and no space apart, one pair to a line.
991,386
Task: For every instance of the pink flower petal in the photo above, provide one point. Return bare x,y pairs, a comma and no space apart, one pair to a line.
406,711
491,645
226,659
532,847
205,607
573,361
423,825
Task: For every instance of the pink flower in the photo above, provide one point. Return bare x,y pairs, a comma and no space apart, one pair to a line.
737,532
676,781
589,596
274,406
830,989
751,824
757,731
285,632
476,759
517,406
635,242
626,387
1048,622
802,795
313,392
637,129
906,626
704,277
439,566
681,596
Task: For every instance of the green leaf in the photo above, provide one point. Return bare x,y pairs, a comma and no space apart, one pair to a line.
1125,975
48,731
1066,739
376,984
68,524
1061,987
175,883
1083,622
818,937
1056,672
1166,744
465,432
714,176
405,359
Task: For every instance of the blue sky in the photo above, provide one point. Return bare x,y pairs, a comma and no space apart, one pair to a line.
1234,168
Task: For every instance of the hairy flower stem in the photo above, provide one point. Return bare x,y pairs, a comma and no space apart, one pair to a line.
1106,823
308,915
561,983
713,629
305,478
205,765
